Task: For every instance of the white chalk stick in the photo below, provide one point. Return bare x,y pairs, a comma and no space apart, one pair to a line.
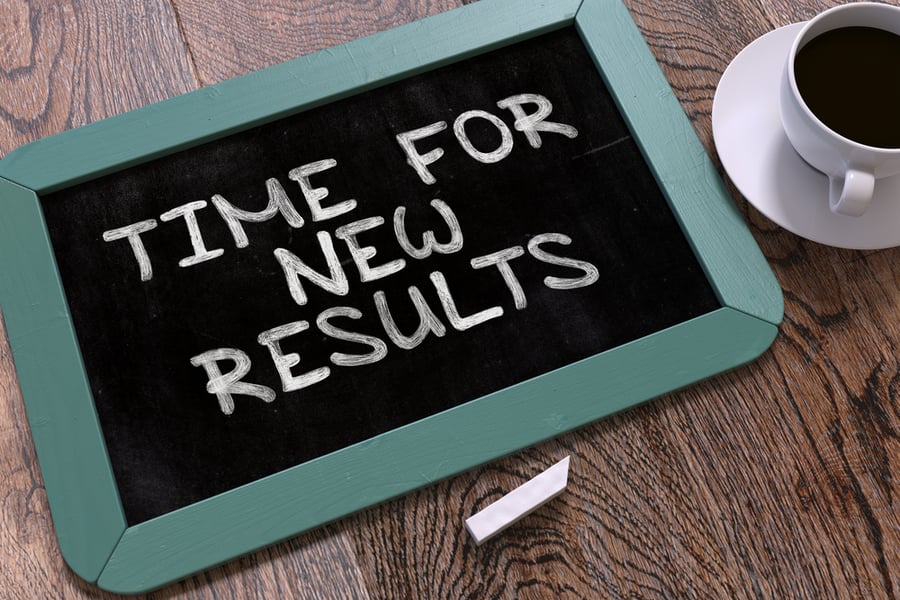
519,502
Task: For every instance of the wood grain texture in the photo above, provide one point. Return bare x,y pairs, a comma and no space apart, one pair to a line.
67,63
251,34
776,480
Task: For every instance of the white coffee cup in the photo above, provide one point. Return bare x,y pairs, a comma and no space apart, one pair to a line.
852,167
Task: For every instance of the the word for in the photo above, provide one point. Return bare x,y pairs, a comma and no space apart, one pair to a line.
529,124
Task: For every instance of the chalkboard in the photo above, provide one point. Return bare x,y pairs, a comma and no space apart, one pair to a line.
583,207
325,286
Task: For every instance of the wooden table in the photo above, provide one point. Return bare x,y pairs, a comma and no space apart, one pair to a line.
776,480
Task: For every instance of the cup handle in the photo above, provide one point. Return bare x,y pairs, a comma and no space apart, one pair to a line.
851,194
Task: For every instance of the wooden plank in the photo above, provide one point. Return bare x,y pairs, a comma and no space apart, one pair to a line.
64,64
250,34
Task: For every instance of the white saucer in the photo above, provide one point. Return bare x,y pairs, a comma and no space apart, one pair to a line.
765,168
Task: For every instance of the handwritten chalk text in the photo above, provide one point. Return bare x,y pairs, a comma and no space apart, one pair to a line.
227,368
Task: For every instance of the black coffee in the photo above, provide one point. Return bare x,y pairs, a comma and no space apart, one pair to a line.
850,79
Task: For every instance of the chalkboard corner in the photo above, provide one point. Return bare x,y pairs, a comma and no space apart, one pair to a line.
766,301
766,332
716,230
88,554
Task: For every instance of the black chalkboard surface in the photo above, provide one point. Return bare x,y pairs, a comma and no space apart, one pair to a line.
553,242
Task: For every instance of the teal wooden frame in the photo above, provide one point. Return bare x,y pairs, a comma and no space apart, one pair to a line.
90,525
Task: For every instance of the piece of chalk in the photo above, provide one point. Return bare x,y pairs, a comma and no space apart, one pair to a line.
516,504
